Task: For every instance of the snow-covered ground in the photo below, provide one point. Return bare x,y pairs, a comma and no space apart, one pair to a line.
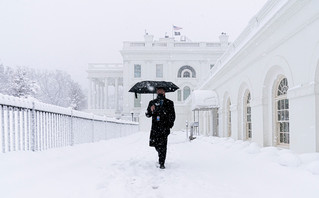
126,167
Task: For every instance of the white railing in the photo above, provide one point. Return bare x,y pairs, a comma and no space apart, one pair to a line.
103,66
137,44
186,44
174,44
34,126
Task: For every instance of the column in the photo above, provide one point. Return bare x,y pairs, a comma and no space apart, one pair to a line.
234,121
302,121
97,95
211,122
94,94
106,93
215,121
260,117
90,94
116,94
100,95
222,122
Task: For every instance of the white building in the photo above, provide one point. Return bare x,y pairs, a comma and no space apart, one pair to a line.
264,88
266,85
183,62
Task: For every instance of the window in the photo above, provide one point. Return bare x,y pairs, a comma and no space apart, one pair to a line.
186,74
137,101
137,71
179,95
282,109
182,70
186,92
228,118
159,71
247,116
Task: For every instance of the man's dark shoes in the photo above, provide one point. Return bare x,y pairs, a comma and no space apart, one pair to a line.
162,166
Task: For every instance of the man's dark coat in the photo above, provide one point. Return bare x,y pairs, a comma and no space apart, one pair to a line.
163,118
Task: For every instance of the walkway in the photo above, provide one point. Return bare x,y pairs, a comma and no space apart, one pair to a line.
126,167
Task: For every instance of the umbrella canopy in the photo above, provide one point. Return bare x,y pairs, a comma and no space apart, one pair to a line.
150,87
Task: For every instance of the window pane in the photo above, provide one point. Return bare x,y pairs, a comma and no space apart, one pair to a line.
286,104
248,118
159,71
286,115
186,74
286,128
186,92
286,138
137,71
283,87
279,115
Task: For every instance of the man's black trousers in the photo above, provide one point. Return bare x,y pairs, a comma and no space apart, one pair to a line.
161,150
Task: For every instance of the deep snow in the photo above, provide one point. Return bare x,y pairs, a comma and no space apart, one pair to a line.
126,167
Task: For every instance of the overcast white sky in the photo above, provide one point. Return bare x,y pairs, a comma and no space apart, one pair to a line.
69,34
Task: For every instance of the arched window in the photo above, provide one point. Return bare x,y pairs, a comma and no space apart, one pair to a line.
186,74
247,116
228,118
186,92
282,110
183,69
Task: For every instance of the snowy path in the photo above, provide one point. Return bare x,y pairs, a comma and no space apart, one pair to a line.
126,167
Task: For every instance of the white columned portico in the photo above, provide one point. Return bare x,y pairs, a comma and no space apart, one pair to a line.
105,81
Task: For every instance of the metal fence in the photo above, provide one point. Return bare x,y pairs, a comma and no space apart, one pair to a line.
35,126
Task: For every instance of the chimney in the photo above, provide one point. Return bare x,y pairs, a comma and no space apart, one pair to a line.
223,38
148,38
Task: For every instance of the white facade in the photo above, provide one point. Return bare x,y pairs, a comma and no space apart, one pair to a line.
276,61
184,63
265,85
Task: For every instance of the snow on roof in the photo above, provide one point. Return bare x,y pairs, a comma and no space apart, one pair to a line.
204,99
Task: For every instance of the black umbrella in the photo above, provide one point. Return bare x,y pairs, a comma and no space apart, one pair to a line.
150,87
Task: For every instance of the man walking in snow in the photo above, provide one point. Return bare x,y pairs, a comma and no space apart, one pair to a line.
162,112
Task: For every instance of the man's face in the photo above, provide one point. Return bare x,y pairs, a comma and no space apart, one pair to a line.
160,91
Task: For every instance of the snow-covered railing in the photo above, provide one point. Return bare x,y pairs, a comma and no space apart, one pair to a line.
174,44
31,125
